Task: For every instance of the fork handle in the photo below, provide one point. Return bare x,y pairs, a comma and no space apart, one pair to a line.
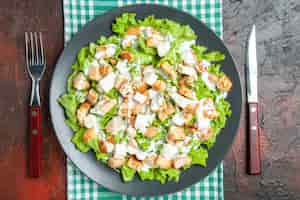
35,141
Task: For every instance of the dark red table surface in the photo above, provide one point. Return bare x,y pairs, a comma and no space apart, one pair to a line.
278,51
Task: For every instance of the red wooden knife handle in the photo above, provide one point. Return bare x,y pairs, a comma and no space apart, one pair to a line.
254,166
35,141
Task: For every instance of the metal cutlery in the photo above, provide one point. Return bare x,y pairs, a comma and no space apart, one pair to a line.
36,65
254,162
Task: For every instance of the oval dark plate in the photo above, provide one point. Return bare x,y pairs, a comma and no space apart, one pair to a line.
86,162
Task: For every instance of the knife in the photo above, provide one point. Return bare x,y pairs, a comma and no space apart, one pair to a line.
254,158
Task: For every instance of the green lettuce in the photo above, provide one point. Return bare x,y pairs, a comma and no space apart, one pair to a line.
73,125
141,57
164,175
108,116
127,173
92,48
93,143
70,81
113,93
114,39
142,141
143,47
147,175
223,108
102,156
214,56
202,90
133,70
78,141
199,156
215,69
209,143
123,22
83,59
199,51
70,103
120,137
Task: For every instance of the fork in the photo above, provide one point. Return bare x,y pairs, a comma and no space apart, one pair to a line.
35,65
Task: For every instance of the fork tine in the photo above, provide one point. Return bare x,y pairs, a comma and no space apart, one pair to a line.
32,55
26,49
42,49
37,58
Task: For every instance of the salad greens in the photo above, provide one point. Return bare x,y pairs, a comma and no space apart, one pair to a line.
147,100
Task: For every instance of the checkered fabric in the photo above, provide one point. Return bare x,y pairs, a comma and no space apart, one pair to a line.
79,12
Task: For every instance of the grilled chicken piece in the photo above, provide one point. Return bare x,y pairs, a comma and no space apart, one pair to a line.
150,160
133,30
82,112
163,163
159,85
94,73
89,134
182,161
168,69
176,133
151,132
127,56
92,96
134,163
80,82
104,70
142,87
116,162
105,104
187,92
224,84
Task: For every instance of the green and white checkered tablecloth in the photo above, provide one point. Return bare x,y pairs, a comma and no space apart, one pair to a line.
79,12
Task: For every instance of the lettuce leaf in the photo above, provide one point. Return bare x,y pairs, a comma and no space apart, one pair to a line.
69,103
145,48
108,116
92,48
102,156
113,93
83,59
94,144
223,107
114,39
142,141
78,141
141,57
199,156
147,175
202,91
70,81
127,173
214,56
199,51
73,125
120,137
164,175
215,69
123,22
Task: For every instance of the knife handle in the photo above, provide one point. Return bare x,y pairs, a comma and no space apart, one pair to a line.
254,165
35,141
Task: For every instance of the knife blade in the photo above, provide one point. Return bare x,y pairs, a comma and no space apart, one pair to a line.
254,157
